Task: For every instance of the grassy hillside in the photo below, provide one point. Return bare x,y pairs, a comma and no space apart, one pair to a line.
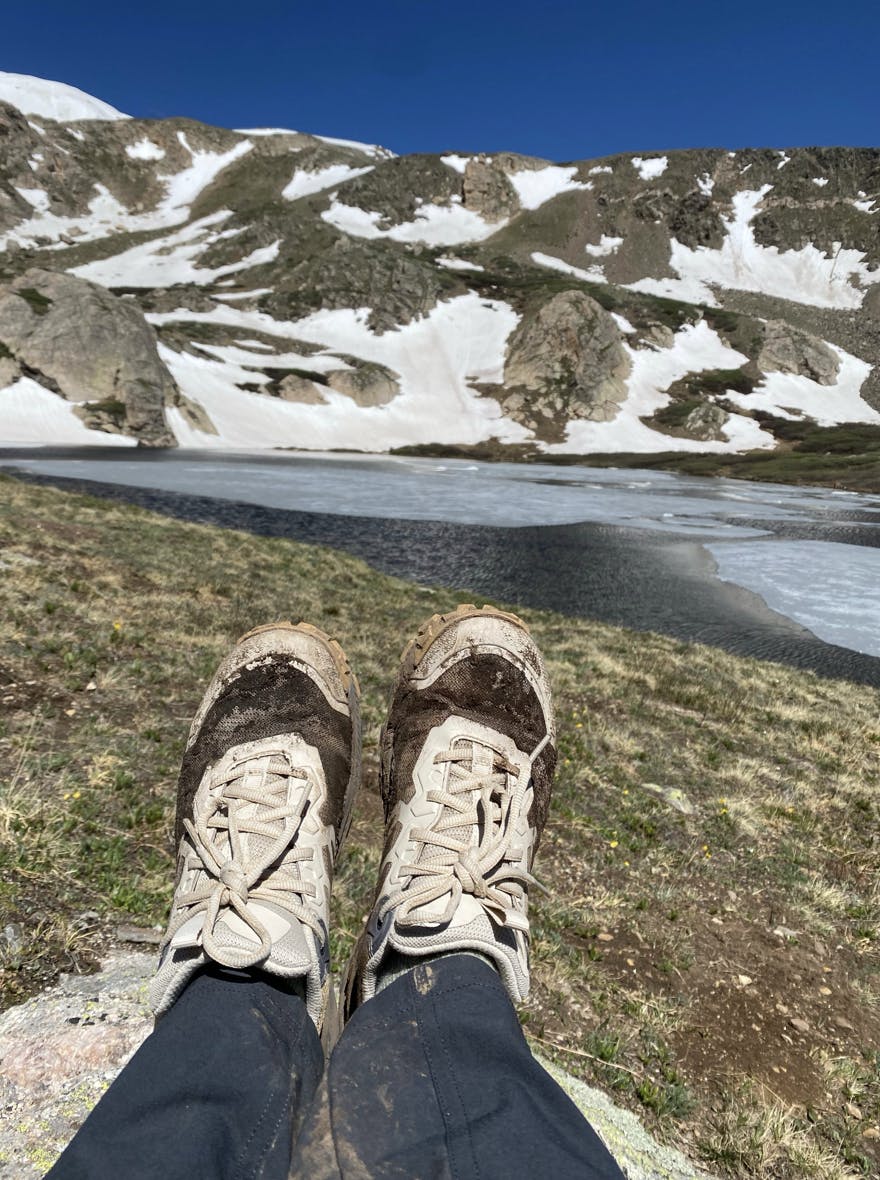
709,948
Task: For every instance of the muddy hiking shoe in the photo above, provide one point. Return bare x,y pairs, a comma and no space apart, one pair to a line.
266,790
468,754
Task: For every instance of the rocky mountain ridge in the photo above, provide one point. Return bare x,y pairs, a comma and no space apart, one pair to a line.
162,281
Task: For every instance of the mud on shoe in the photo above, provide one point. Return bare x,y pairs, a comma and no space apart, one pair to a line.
468,754
265,795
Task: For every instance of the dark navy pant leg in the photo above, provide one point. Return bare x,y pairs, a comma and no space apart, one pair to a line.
210,1095
433,1078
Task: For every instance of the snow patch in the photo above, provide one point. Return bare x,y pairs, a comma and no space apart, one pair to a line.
185,186
37,198
434,225
595,274
827,405
267,131
705,184
144,149
304,183
369,149
686,289
33,415
456,163
650,169
821,181
231,296
784,159
107,216
248,359
535,188
599,169
53,100
458,263
166,261
437,358
742,264
605,246
622,322
696,347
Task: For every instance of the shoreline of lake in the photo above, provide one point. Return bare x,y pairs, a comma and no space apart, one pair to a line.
635,578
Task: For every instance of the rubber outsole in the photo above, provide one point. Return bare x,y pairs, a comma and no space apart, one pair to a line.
432,628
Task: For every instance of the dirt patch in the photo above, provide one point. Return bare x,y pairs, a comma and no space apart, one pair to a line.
756,1004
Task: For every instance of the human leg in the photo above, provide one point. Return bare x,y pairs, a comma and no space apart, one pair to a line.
212,1092
265,795
432,1075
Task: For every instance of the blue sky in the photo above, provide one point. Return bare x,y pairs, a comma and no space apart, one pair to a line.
564,79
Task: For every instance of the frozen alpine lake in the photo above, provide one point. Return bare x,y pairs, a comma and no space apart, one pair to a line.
806,556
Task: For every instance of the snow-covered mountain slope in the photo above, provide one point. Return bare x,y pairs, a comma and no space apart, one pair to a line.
318,293
53,100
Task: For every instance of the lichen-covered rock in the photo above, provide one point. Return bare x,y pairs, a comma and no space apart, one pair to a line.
398,188
487,191
294,388
657,335
705,422
640,1156
59,1052
90,347
191,412
10,370
365,383
787,349
564,362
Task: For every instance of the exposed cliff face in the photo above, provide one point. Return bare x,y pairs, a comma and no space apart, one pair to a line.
311,293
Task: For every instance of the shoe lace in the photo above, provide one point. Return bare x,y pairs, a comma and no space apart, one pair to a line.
250,828
489,801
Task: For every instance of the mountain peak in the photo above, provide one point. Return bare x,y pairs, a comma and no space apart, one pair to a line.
53,100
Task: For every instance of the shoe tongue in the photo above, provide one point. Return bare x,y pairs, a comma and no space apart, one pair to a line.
479,760
269,775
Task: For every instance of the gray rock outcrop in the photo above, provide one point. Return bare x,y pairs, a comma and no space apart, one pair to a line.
365,383
705,422
565,362
787,349
58,1053
487,191
90,347
294,388
60,1050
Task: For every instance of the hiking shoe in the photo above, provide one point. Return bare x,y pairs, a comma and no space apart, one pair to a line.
265,795
468,754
